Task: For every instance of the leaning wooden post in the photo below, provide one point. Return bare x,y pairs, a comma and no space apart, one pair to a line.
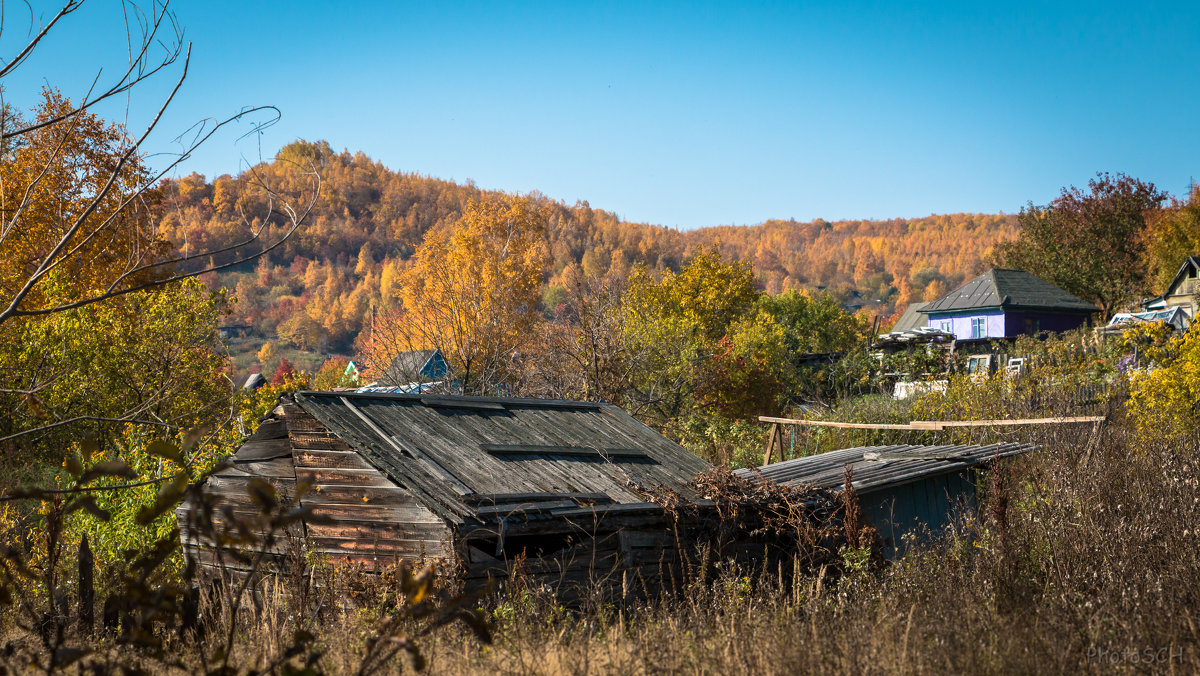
771,444
87,592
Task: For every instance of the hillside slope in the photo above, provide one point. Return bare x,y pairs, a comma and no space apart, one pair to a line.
369,220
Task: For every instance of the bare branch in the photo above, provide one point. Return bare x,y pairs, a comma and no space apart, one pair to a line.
136,73
69,7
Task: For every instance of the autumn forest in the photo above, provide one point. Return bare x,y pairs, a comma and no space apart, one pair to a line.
317,290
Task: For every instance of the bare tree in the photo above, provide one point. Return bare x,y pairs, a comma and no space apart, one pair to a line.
156,50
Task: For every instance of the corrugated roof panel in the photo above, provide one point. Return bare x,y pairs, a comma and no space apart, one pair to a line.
877,467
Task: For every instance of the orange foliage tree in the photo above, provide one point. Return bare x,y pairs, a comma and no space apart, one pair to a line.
471,292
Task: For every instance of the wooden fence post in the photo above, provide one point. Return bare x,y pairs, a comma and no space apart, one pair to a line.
87,591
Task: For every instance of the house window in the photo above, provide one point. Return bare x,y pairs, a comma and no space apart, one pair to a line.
1032,325
947,327
978,327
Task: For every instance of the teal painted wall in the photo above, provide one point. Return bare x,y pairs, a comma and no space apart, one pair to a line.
923,508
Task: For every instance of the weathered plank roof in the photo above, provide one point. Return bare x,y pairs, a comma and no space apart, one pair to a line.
1008,289
878,467
457,453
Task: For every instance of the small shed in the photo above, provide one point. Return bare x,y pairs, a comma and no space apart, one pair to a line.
474,483
901,489
911,318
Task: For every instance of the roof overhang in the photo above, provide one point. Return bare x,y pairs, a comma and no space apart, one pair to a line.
1012,308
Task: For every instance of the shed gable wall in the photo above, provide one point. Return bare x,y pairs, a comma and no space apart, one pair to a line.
374,520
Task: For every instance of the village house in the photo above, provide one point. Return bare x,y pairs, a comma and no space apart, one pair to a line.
415,371
1182,292
1004,304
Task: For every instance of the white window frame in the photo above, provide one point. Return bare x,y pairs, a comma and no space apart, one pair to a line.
979,327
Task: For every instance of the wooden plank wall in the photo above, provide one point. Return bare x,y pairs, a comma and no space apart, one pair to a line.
609,558
265,455
921,508
377,522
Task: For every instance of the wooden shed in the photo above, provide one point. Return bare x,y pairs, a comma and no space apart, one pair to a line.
901,489
472,482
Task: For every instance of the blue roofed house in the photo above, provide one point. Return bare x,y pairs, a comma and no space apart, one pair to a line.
415,371
1003,304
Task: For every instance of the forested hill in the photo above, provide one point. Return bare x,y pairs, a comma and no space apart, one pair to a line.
316,289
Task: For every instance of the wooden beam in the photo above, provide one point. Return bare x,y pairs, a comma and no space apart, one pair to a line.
944,424
831,423
930,425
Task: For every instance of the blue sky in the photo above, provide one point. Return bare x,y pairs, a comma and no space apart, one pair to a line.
690,114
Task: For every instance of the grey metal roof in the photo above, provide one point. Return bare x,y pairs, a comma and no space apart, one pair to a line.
456,452
878,467
911,319
1008,289
406,367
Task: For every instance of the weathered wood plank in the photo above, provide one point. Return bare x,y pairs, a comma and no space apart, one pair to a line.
500,498
279,468
366,512
325,442
266,449
272,429
343,477
547,449
329,459
323,494
412,530
409,549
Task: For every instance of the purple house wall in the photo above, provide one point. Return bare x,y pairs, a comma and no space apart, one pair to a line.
962,325
1000,324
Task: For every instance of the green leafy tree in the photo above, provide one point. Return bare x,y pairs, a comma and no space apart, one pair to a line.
749,374
673,326
815,322
1089,243
152,357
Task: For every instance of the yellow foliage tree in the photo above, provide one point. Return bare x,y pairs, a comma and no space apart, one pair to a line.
472,293
935,290
67,207
1162,402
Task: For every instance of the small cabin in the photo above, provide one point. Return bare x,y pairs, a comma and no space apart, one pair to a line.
901,489
472,483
